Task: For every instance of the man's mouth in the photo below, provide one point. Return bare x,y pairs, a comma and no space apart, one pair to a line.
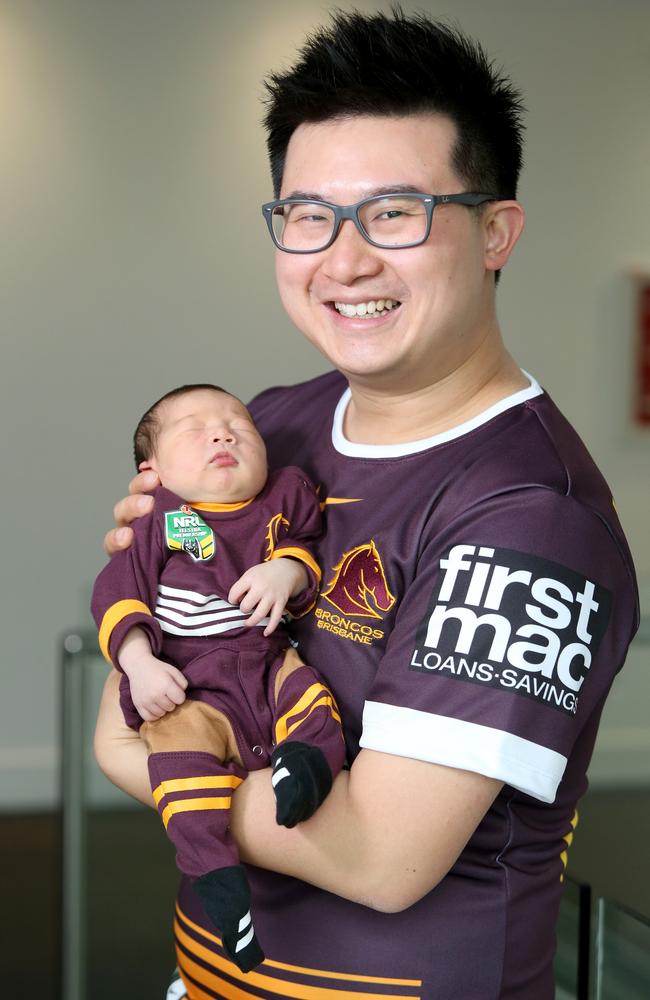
223,459
366,310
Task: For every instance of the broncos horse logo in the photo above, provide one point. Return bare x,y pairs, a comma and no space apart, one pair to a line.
359,574
273,529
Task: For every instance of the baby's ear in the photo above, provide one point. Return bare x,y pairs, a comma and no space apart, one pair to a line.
145,466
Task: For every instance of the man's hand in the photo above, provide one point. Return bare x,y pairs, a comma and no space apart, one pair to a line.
265,589
129,509
156,687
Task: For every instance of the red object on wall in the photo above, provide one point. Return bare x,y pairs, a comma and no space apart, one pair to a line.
642,379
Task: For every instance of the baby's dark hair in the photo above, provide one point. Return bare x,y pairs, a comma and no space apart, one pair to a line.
146,433
391,64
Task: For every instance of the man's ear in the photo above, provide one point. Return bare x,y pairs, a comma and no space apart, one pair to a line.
503,222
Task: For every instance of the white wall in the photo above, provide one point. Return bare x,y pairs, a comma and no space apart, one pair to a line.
133,257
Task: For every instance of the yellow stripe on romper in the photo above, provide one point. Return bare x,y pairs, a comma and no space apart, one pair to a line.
327,700
194,805
115,614
192,784
312,692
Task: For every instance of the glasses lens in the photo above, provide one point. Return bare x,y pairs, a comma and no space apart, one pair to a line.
303,225
394,221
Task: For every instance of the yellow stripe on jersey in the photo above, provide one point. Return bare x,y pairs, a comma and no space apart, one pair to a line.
327,700
115,614
194,805
302,555
310,695
191,784
568,838
257,980
299,969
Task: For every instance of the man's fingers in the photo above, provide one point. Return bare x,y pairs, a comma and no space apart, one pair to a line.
130,508
117,539
144,482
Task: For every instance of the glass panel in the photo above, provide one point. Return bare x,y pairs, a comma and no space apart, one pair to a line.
622,954
573,932
119,877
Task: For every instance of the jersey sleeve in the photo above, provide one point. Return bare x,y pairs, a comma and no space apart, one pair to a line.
297,534
126,589
506,642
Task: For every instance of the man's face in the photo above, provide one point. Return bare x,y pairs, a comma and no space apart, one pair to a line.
442,293
208,448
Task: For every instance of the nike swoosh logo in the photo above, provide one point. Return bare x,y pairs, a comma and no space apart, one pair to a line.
333,500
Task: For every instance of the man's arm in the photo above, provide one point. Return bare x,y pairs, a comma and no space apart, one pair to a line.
389,831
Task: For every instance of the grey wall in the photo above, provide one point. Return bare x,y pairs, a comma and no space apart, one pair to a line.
134,257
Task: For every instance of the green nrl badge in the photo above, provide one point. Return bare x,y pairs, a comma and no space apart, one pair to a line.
185,531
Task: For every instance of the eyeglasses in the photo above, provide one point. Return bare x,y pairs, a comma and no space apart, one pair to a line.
388,221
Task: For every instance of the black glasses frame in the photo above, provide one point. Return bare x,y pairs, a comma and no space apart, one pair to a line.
351,212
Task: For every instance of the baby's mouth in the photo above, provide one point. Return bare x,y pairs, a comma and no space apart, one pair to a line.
223,459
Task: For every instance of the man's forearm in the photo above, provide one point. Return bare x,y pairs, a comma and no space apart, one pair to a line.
389,831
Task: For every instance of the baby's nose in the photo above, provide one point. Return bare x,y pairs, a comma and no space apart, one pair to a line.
222,434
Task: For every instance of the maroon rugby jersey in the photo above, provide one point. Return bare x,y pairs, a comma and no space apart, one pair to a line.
478,598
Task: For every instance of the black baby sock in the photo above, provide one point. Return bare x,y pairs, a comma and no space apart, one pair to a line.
226,897
301,780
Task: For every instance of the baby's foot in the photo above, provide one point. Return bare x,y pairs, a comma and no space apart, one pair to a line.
226,900
301,780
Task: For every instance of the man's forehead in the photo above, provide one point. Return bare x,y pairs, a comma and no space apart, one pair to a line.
365,155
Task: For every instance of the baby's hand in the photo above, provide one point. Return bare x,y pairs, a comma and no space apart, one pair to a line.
265,589
156,687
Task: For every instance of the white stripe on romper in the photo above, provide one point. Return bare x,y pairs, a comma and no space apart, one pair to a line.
212,616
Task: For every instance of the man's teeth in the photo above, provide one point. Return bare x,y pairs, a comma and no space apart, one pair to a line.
373,308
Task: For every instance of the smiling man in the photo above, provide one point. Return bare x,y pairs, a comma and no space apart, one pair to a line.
478,594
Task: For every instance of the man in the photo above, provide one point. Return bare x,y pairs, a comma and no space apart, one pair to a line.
478,593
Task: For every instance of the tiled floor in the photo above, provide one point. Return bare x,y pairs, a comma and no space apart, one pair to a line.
132,881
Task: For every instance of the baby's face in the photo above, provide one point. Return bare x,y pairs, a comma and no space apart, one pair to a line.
208,448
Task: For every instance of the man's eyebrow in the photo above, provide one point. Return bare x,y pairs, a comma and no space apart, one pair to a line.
372,193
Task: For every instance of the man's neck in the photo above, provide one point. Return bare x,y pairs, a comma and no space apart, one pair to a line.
375,416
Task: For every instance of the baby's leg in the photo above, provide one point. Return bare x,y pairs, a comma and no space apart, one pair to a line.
194,767
310,750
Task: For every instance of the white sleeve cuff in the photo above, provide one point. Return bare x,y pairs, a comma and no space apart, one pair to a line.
407,732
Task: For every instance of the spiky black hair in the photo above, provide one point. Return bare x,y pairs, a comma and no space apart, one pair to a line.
378,64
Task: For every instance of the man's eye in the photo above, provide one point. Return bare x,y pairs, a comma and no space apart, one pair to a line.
307,217
305,214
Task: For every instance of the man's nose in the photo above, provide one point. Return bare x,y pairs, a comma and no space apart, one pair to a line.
350,256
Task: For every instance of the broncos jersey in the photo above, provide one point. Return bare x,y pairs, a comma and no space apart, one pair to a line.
478,598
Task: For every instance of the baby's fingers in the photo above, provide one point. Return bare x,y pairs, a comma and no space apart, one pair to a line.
175,695
177,677
260,612
274,618
238,590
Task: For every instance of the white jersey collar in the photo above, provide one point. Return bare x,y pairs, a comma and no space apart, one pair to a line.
350,448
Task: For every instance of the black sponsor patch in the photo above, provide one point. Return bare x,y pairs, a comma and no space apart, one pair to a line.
513,621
